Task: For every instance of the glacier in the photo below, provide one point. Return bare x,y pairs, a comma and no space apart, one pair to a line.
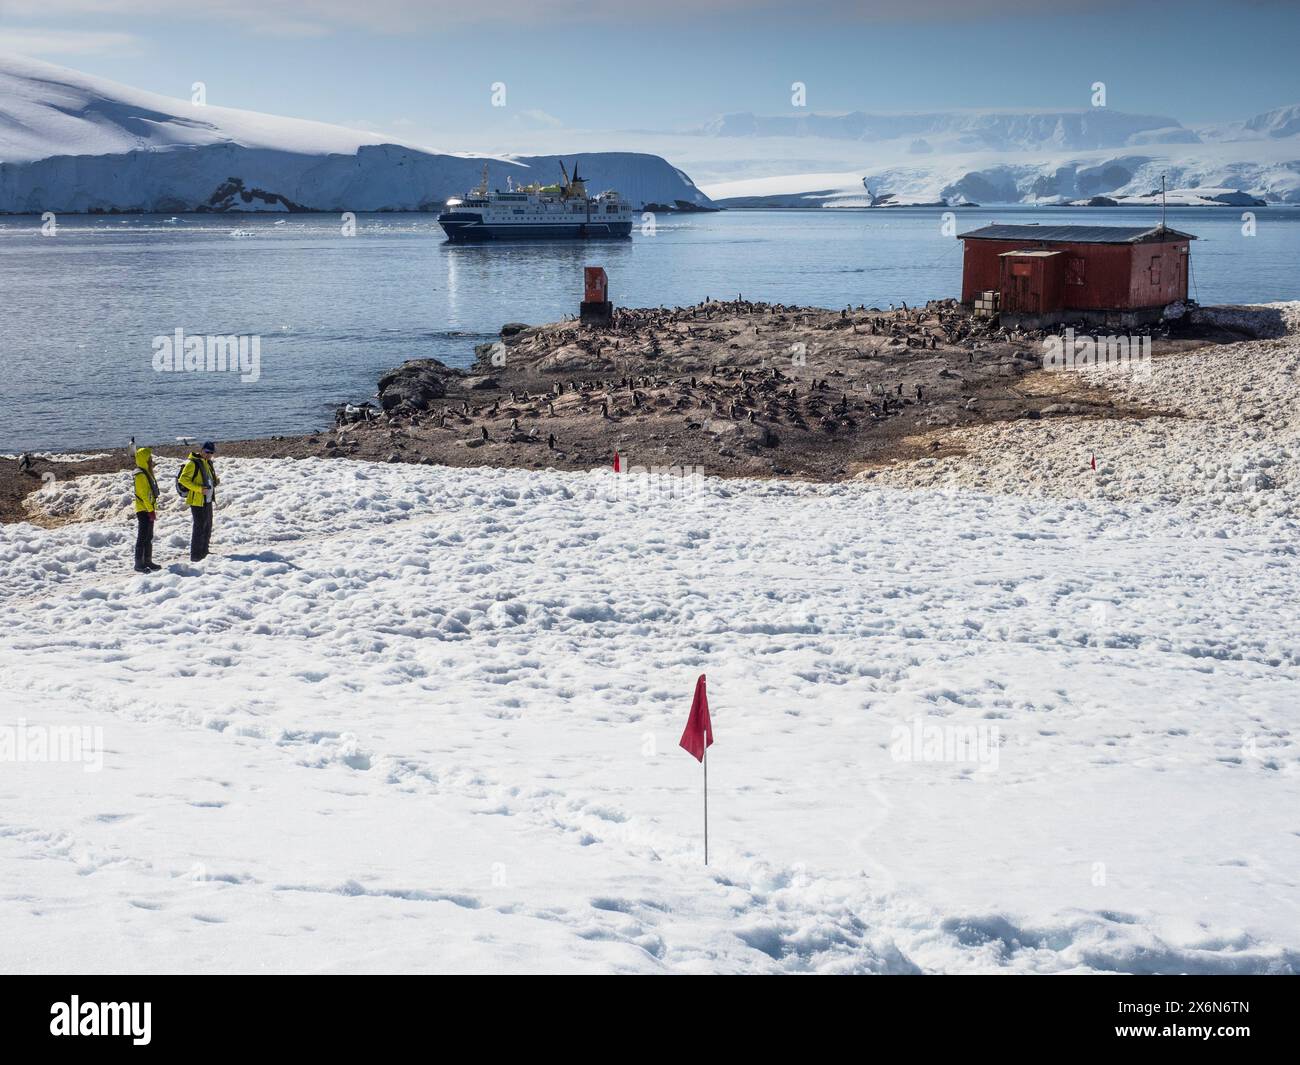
861,160
71,142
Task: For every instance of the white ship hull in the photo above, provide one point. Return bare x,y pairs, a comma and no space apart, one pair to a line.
553,213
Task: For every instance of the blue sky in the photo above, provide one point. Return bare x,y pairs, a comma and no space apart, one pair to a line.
395,65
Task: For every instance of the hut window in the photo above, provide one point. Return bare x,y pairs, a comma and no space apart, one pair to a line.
1074,270
1155,269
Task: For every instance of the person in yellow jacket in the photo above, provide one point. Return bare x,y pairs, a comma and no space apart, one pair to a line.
199,479
146,510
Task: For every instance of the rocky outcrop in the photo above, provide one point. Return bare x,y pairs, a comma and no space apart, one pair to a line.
415,385
232,195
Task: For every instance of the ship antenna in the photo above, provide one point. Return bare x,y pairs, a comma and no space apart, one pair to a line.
1162,201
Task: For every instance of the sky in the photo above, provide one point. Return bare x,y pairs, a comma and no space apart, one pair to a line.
425,72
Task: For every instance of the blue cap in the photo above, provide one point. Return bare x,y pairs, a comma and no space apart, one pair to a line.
208,445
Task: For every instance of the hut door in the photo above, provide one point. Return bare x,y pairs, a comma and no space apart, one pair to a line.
1021,299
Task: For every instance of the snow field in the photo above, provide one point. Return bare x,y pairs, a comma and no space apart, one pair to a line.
1223,450
423,718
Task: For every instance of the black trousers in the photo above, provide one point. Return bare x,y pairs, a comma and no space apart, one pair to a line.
201,536
143,538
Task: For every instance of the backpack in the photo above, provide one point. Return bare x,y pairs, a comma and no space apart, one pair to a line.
181,490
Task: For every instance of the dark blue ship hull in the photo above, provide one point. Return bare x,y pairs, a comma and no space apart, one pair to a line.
465,228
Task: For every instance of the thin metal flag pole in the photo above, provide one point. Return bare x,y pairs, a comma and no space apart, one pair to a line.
705,759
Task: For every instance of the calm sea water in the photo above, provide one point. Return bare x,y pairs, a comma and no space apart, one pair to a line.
82,307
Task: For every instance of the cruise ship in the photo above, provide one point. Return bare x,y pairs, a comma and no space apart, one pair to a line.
536,212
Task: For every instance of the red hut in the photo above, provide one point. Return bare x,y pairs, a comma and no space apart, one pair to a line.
1105,275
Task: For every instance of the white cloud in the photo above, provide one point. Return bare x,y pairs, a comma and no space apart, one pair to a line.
537,119
39,41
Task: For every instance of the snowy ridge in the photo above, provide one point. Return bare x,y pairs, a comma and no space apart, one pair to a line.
48,110
1280,122
964,131
1270,171
996,157
423,718
70,142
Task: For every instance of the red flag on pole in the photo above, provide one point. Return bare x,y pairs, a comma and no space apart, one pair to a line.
1094,462
699,729
696,741
616,462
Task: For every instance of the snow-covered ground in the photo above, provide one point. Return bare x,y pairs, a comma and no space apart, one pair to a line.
1224,447
421,718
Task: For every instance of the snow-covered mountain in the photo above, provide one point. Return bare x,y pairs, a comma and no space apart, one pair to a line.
950,131
861,159
1213,172
72,142
1280,122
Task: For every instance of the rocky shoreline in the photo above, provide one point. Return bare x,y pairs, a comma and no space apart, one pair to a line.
728,388
735,388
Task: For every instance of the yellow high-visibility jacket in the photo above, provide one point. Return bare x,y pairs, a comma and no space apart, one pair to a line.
196,473
146,488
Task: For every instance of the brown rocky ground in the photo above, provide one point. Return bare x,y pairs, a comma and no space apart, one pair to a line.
740,389
736,388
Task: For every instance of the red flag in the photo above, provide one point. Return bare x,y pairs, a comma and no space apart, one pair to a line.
699,729
1094,462
616,463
